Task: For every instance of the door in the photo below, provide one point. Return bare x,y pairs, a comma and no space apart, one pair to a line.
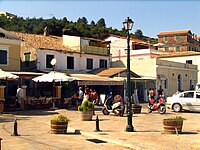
188,100
198,100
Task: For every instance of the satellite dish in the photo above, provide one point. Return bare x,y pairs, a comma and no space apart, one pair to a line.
53,61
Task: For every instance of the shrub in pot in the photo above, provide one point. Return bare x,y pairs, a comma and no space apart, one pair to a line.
173,125
59,124
86,109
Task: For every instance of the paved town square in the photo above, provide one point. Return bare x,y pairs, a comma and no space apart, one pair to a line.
34,129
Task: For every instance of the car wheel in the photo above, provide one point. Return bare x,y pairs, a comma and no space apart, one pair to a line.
177,107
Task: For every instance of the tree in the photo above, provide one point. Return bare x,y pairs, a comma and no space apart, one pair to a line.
82,20
101,23
92,23
80,28
139,34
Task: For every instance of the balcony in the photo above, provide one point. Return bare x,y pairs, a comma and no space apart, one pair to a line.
95,50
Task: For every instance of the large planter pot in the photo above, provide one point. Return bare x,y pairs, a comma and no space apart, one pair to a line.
86,116
59,127
136,109
172,126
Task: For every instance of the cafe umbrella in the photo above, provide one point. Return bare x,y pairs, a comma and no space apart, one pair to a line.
53,77
6,75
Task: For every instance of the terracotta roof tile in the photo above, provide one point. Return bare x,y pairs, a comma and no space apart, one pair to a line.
174,32
110,72
43,42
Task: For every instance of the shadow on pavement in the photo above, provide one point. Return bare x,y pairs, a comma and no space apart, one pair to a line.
189,133
36,112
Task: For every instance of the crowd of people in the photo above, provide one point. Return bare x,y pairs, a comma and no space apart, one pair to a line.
81,96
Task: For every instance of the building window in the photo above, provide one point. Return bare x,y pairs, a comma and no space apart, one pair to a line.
27,59
89,63
166,49
189,38
103,63
3,58
48,61
166,84
165,38
177,37
188,61
70,62
177,48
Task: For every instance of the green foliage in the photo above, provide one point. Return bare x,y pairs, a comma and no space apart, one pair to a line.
86,106
139,34
60,118
176,118
55,26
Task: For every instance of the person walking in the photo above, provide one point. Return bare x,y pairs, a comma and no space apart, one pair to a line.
20,97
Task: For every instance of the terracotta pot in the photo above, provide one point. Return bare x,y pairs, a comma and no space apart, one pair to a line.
59,127
172,126
136,109
86,116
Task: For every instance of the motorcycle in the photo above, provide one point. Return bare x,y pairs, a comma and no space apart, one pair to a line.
159,106
113,107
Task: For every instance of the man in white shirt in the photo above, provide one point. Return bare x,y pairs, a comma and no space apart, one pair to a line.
20,97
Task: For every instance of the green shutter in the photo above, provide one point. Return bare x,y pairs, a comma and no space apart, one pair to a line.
167,49
27,57
165,38
177,48
177,37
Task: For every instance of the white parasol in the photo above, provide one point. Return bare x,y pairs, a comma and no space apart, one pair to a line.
53,76
6,75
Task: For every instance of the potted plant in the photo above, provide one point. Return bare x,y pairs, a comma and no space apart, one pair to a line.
136,108
173,125
59,124
86,109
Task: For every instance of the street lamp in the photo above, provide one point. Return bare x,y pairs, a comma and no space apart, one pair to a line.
128,24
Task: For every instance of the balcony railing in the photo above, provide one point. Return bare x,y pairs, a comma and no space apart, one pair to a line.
95,50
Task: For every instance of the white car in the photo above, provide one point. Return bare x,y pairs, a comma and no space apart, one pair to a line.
188,100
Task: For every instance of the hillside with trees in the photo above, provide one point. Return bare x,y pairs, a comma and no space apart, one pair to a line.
57,27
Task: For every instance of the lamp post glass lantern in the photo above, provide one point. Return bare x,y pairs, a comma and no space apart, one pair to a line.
128,24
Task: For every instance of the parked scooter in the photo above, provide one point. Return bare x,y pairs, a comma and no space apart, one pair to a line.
113,107
157,105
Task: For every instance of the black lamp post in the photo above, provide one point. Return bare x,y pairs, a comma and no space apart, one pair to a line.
128,24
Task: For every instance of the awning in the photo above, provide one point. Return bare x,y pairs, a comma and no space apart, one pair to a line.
91,79
162,77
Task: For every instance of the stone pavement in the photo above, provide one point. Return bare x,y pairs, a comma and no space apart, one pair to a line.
34,130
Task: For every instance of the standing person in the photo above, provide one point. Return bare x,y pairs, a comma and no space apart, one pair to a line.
94,97
20,97
86,95
160,91
152,93
80,96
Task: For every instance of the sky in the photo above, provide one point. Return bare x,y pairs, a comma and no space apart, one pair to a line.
151,17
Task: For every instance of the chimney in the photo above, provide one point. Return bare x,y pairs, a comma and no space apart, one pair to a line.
46,31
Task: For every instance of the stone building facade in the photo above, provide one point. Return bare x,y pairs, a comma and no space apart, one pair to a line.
176,41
